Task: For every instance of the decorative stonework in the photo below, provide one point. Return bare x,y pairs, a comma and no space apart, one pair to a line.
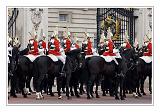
36,17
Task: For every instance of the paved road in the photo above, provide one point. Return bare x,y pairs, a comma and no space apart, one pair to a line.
102,100
83,99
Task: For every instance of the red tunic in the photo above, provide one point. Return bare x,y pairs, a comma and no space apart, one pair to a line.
44,44
77,46
149,52
34,51
128,45
89,48
110,50
67,44
56,50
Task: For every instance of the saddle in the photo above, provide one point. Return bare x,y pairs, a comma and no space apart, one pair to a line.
94,53
147,59
32,57
53,57
109,59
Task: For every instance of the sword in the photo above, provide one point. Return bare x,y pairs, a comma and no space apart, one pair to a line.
30,34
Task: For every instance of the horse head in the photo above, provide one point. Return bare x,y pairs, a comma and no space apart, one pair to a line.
77,58
14,58
84,45
101,49
142,50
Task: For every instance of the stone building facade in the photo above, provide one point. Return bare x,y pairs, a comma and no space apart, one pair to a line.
78,20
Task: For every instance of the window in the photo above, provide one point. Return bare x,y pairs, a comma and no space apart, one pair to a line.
63,17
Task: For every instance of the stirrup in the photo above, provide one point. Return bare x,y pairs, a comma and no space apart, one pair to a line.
61,73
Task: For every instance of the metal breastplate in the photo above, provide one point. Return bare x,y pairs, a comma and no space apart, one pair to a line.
52,46
40,46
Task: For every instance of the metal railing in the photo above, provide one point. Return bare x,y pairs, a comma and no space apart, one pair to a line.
12,22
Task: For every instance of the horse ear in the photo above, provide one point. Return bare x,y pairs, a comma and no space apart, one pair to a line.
19,46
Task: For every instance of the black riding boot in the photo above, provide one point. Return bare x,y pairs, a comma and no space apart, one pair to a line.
62,70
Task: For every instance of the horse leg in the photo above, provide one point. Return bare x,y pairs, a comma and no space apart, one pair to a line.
142,86
116,89
59,86
71,90
13,87
63,84
22,88
50,83
90,85
137,87
81,89
97,83
122,87
38,86
75,90
150,84
67,84
91,90
29,90
103,88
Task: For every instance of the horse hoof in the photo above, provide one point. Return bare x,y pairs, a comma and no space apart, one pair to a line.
139,95
38,98
112,95
122,98
88,97
144,93
92,96
68,98
52,94
103,94
97,96
14,96
60,97
29,93
117,98
25,96
72,94
77,96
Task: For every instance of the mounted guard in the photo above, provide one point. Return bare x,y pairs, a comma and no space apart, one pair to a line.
75,43
147,56
33,44
42,45
54,49
67,41
126,43
33,52
109,55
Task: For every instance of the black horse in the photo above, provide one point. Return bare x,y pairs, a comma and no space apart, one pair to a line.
22,70
24,74
77,77
132,79
74,61
45,67
12,67
144,70
98,67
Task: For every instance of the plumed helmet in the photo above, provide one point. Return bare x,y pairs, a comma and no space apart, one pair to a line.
109,33
9,39
44,35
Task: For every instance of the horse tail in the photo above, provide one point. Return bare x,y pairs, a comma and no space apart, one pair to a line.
35,73
87,67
